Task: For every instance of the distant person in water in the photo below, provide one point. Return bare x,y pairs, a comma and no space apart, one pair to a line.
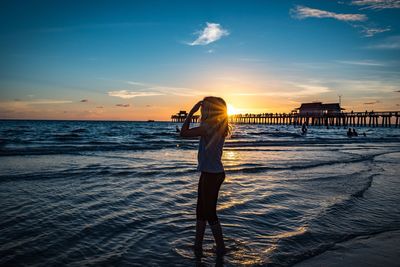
304,129
354,132
349,133
177,129
212,132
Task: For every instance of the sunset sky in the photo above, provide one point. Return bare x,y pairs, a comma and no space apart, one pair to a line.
140,60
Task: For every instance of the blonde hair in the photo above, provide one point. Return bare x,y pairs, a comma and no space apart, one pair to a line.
215,114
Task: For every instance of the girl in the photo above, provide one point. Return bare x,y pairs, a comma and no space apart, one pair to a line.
212,131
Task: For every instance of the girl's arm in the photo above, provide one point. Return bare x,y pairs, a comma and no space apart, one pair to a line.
196,131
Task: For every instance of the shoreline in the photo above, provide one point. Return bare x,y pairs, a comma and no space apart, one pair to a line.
374,250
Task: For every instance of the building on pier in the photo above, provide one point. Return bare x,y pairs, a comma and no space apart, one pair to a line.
319,109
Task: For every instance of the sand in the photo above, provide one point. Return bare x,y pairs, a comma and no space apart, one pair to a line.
377,250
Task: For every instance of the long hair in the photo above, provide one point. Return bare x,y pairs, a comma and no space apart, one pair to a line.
215,114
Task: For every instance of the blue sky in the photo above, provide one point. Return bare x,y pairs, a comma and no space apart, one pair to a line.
149,59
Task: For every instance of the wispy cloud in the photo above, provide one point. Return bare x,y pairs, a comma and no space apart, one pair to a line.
368,87
376,4
369,32
360,62
367,29
296,90
135,83
372,103
44,101
211,33
144,87
125,94
392,42
311,89
303,12
123,105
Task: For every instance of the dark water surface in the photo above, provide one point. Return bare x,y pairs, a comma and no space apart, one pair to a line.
124,193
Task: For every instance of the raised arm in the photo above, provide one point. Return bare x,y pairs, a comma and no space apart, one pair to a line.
196,131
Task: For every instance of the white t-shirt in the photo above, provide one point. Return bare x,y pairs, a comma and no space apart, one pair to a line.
210,153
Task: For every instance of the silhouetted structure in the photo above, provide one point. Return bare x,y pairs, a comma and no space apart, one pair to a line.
313,115
181,116
318,108
346,119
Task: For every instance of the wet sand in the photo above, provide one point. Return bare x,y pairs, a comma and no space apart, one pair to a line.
376,250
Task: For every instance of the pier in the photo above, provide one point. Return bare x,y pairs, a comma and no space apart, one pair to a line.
345,119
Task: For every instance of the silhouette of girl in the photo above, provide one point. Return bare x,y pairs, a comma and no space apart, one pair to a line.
212,131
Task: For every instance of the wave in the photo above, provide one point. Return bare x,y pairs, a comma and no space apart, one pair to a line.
280,258
277,134
319,237
67,137
79,130
181,170
320,142
300,166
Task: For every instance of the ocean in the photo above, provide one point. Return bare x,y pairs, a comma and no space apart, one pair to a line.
98,193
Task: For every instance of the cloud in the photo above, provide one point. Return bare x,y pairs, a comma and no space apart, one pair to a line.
296,90
84,100
372,103
361,62
307,89
390,43
211,33
302,12
397,91
135,83
125,94
123,105
376,4
150,89
100,107
144,87
368,87
369,32
45,102
366,29
166,90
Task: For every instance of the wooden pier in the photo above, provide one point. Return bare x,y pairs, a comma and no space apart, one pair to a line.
345,119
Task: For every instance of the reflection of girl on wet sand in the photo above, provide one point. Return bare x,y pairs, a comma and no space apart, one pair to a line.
212,132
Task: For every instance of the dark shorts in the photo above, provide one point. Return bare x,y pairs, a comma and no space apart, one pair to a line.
207,196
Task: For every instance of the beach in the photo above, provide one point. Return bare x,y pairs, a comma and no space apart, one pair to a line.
375,250
79,193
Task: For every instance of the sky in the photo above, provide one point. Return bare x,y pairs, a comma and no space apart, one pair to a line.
141,60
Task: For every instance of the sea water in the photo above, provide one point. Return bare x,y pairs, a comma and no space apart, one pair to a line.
124,193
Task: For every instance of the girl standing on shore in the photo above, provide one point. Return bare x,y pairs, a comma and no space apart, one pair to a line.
212,132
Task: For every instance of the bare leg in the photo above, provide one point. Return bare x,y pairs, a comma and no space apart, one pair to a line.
219,238
198,243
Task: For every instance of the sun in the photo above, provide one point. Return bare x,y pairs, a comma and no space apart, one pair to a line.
232,110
